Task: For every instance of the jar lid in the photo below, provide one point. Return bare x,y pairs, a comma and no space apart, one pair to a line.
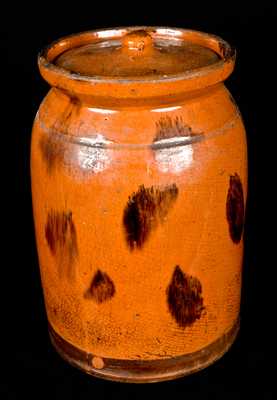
137,54
136,62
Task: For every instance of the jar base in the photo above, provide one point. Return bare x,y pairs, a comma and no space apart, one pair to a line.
143,371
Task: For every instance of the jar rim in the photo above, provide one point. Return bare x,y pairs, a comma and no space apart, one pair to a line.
136,87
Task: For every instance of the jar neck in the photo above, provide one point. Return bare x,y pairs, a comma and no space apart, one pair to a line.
143,103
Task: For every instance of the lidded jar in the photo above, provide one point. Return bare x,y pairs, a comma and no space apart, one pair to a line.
139,180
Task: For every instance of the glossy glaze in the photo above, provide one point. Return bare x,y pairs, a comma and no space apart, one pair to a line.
139,189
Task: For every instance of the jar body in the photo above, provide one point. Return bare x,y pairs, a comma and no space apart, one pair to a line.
139,234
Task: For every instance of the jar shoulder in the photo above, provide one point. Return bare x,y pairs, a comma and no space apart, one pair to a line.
208,111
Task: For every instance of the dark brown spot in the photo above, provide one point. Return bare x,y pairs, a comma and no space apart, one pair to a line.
235,208
145,210
184,298
228,52
52,152
166,128
75,100
61,237
52,145
73,107
64,123
101,288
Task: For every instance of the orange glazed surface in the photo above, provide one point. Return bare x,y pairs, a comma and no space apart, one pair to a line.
139,189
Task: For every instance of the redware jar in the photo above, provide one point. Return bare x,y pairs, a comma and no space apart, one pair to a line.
139,180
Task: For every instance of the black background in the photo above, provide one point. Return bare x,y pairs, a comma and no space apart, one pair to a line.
30,367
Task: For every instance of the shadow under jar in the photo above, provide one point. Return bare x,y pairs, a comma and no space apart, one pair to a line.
139,181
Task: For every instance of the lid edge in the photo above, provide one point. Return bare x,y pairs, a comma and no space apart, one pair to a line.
118,87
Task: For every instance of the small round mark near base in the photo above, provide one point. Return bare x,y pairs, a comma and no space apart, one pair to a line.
97,362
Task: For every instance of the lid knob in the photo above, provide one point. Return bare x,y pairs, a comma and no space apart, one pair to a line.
137,42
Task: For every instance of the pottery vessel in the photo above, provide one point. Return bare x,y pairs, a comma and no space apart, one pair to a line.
139,182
